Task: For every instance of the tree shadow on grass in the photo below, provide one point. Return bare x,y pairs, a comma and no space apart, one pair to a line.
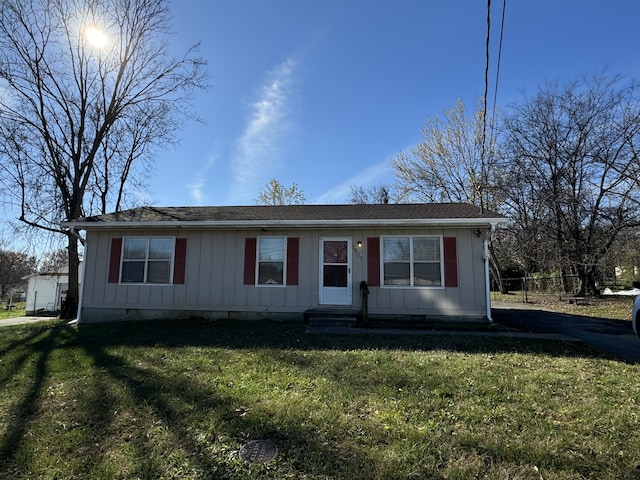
25,364
159,418
129,408
206,422
291,335
184,421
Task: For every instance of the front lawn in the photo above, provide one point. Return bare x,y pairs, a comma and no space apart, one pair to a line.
179,400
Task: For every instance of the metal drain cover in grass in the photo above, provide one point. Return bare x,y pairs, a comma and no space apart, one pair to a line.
259,451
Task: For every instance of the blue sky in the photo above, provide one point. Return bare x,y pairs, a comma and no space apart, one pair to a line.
323,94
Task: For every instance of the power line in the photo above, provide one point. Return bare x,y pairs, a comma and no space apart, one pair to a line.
495,92
486,79
484,107
486,89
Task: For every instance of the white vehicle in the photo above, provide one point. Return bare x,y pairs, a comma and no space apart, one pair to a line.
635,315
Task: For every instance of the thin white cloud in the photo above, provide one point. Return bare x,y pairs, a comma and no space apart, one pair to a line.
256,150
369,177
196,188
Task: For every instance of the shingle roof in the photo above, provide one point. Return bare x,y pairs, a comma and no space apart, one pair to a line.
292,214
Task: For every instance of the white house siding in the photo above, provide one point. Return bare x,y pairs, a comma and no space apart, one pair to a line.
214,286
468,299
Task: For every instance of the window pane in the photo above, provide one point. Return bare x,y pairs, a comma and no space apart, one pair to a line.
135,248
397,273
335,276
271,273
426,249
133,272
396,249
160,248
158,272
427,274
336,251
271,249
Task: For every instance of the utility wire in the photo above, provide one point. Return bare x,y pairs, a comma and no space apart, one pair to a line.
484,105
486,77
495,92
486,91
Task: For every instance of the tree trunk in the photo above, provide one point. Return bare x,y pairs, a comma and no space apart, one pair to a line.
591,281
564,275
69,309
497,270
582,277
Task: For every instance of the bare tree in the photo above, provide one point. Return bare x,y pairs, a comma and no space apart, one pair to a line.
54,261
574,169
380,194
88,92
274,193
450,164
525,239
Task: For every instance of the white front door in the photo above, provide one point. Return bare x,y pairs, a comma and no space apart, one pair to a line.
335,271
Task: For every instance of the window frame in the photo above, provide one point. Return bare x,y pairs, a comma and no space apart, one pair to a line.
412,261
147,260
284,262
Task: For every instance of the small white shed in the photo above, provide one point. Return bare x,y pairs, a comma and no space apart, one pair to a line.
46,291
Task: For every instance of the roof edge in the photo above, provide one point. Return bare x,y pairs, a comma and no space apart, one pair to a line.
252,224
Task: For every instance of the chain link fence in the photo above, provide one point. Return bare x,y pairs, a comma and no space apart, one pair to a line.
538,288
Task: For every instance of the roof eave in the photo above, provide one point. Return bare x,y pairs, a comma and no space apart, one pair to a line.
253,224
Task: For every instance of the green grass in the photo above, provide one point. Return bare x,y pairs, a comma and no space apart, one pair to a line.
178,400
19,311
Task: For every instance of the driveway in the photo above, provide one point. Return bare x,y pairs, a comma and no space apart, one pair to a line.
614,337
5,322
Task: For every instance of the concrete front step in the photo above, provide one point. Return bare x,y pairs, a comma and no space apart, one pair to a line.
331,321
345,315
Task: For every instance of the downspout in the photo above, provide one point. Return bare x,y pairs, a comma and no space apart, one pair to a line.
84,274
486,272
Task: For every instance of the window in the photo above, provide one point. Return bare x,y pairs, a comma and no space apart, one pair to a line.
412,261
271,260
147,260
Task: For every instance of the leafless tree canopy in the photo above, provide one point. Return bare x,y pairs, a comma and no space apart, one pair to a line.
379,194
572,167
449,164
79,121
274,193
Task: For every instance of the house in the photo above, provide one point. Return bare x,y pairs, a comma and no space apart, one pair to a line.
46,291
280,261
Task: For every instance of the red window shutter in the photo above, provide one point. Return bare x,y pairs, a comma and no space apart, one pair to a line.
114,260
250,245
450,255
373,261
180,261
293,254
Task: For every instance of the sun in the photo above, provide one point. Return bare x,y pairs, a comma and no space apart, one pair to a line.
96,37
